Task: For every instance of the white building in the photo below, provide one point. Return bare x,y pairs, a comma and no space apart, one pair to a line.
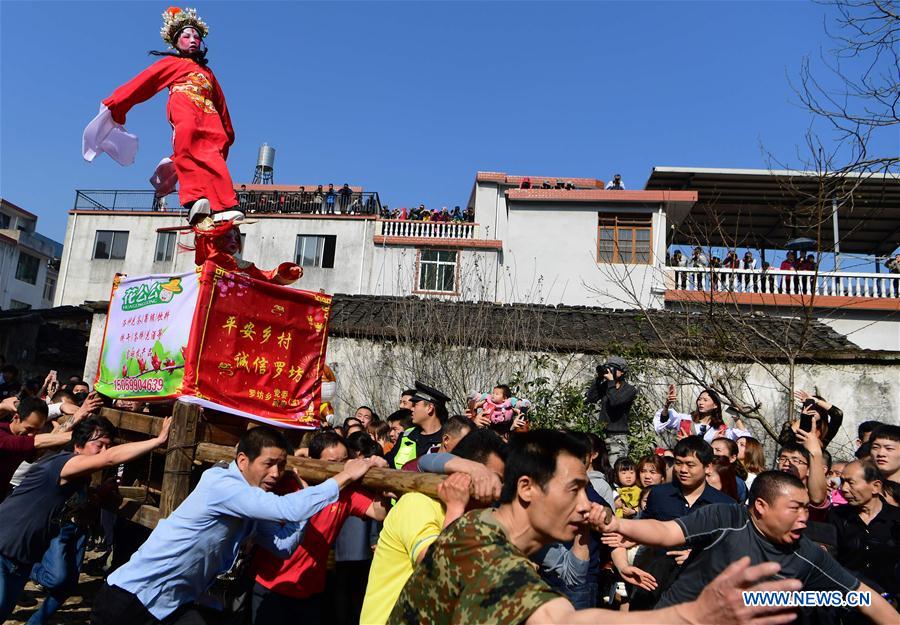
581,246
525,246
28,261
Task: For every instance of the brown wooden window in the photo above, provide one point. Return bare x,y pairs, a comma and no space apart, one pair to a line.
624,239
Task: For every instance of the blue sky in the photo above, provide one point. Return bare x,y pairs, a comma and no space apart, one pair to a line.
411,99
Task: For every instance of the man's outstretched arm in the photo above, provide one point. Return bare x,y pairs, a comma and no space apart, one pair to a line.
721,602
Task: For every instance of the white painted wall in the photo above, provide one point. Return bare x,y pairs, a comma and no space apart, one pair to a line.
550,252
870,332
12,288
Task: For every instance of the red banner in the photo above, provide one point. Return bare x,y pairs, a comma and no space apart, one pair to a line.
257,349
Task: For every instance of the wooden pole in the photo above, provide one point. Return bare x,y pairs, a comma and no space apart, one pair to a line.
179,457
316,471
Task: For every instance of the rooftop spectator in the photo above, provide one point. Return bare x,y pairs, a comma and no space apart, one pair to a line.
318,199
345,194
790,262
330,197
748,261
731,260
807,264
526,183
698,258
615,184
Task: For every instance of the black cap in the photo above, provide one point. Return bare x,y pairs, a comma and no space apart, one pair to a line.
429,394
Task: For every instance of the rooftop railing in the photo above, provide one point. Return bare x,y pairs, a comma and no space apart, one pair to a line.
259,202
778,281
118,200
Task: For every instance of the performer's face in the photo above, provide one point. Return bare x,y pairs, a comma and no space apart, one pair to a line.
189,40
231,241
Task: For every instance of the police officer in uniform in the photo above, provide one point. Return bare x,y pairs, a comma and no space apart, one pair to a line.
429,412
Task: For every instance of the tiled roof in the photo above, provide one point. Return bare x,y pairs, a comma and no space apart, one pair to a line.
569,328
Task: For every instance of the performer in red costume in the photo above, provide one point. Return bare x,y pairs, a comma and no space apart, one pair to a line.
221,243
198,114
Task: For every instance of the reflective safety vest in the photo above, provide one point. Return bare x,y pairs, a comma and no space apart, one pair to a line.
406,449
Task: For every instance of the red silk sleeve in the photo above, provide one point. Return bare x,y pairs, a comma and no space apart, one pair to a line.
143,87
219,102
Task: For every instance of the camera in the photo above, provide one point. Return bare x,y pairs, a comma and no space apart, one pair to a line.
602,370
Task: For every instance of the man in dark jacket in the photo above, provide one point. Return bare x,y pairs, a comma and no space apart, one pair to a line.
615,397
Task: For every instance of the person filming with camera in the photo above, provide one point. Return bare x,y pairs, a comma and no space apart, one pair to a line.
615,397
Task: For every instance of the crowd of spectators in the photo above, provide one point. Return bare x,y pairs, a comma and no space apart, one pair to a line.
319,201
421,213
343,201
529,526
761,281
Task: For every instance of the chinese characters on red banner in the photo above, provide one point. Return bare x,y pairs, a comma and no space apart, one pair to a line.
258,348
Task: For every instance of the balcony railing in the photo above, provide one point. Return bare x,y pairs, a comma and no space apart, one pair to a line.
271,202
777,281
427,229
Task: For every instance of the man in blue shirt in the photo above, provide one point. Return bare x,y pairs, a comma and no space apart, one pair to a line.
687,492
202,538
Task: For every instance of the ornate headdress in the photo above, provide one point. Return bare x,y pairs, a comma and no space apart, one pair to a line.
175,20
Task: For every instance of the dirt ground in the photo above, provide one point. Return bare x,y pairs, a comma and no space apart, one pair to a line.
75,611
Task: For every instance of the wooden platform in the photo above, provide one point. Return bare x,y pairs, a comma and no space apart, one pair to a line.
200,438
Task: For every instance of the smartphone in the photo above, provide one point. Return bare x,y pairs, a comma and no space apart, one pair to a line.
806,422
53,374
